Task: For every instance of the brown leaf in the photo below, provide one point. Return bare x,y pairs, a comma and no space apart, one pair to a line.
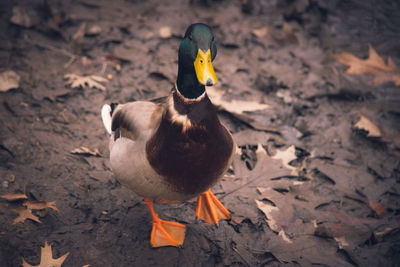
367,125
39,205
287,29
264,170
86,151
46,258
346,230
24,214
9,80
286,36
305,250
260,32
24,16
13,197
377,207
165,32
374,65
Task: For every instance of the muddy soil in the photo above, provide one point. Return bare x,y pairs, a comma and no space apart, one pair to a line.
307,187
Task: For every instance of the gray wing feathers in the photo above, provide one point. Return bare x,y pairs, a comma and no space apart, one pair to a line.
132,120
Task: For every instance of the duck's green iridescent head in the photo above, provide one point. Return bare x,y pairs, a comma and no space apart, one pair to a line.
196,52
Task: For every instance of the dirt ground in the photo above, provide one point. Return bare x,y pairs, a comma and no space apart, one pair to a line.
308,187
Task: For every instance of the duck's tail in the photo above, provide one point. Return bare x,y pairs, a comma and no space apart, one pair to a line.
106,115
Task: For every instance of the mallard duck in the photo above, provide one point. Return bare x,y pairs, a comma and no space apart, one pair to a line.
175,148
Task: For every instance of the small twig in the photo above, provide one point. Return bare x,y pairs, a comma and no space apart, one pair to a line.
103,67
70,61
237,251
59,50
253,180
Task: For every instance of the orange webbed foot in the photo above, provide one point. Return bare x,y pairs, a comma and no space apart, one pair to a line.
165,233
210,209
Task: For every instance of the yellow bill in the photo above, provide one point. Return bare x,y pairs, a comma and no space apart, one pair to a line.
204,69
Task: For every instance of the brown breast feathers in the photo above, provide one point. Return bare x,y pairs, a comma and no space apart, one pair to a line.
194,155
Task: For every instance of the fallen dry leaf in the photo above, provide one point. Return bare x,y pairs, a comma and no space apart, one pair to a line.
377,207
234,106
86,151
267,209
341,241
24,214
13,197
284,237
9,80
260,32
262,172
367,125
347,231
165,32
94,30
92,81
285,213
305,250
286,156
39,205
46,258
374,65
23,16
285,95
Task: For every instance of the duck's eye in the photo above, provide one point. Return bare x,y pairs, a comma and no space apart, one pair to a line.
190,37
201,61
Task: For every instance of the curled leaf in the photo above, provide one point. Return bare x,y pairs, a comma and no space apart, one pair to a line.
260,32
268,209
13,197
9,80
367,125
39,205
86,151
377,207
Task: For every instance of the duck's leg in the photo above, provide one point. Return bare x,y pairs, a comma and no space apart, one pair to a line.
165,233
210,209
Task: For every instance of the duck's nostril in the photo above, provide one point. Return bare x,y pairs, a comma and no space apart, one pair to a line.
209,82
